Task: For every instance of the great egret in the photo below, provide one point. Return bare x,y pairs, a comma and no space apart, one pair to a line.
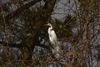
53,40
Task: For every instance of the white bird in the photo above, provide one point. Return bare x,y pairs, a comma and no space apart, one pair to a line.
52,35
53,39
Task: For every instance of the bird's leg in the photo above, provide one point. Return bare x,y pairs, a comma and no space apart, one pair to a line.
52,47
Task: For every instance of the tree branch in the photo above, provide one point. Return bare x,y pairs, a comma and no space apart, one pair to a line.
19,10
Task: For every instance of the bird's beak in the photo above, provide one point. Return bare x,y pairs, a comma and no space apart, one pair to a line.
46,25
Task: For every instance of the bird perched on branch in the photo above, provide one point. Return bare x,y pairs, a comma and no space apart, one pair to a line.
53,40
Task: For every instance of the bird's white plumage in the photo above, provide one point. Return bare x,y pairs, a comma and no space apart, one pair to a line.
53,40
52,35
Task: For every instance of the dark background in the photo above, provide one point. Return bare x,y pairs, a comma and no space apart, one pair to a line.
24,40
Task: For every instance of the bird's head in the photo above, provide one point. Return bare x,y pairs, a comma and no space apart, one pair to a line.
49,24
